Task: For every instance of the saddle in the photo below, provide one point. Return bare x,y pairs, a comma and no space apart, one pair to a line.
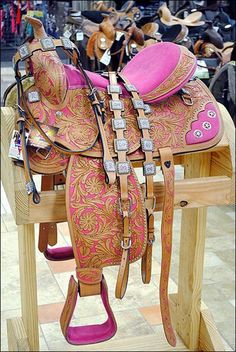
151,110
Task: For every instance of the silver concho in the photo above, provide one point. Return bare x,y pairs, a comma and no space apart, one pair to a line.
24,51
123,168
206,125
116,105
109,166
143,124
33,97
118,124
198,133
66,43
113,88
121,145
47,44
138,103
147,145
149,169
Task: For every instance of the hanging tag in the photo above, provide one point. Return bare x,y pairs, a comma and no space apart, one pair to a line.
67,34
15,149
119,35
106,58
202,71
216,28
79,35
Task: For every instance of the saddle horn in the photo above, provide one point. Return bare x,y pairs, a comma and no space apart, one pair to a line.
39,31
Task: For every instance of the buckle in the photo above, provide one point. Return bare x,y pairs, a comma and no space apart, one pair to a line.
147,145
186,97
120,206
123,167
24,51
123,245
130,88
116,105
143,124
118,124
33,97
109,166
153,202
121,145
47,44
138,103
113,88
67,44
149,169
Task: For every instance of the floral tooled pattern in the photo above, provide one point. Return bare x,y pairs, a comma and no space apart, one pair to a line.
183,69
89,276
51,163
95,221
50,77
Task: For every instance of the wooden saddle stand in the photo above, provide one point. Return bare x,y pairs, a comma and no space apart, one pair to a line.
150,111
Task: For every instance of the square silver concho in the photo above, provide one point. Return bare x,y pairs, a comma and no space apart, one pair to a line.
130,88
123,168
33,97
138,103
109,166
116,105
147,145
113,88
143,124
24,51
47,44
118,124
121,145
66,43
147,109
149,169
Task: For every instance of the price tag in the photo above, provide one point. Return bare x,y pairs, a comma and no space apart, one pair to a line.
202,71
106,58
67,34
79,36
119,35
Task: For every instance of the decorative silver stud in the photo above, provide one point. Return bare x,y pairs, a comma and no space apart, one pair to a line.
123,168
118,124
59,113
109,166
116,105
66,43
24,51
113,88
47,44
121,145
143,124
206,125
33,97
149,169
198,133
147,145
211,113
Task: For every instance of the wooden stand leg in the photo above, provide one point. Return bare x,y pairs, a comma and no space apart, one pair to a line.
191,259
27,264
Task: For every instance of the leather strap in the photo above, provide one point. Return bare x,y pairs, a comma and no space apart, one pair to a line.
167,165
150,199
121,148
81,335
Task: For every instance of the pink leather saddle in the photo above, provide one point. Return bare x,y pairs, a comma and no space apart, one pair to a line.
149,111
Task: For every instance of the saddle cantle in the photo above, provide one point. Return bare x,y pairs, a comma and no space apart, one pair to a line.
151,110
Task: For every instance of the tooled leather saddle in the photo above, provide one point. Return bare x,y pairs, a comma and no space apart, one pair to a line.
151,110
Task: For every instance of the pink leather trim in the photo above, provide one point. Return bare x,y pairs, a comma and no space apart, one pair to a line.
205,127
82,335
58,254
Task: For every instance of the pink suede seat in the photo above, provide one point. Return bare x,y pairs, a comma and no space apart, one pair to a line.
157,71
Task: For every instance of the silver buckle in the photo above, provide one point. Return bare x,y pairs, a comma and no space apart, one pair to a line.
24,51
47,44
33,97
109,166
120,206
125,247
121,145
116,105
149,169
118,124
138,103
130,87
147,145
66,43
123,168
143,124
113,88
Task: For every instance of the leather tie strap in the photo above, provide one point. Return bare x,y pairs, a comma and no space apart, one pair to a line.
167,165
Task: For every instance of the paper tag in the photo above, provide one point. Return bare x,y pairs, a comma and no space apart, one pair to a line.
106,58
79,36
119,35
202,71
67,34
15,149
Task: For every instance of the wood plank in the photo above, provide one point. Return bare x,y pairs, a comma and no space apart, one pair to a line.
28,285
210,339
17,338
191,259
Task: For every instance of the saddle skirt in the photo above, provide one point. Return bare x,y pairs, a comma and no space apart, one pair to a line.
151,110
